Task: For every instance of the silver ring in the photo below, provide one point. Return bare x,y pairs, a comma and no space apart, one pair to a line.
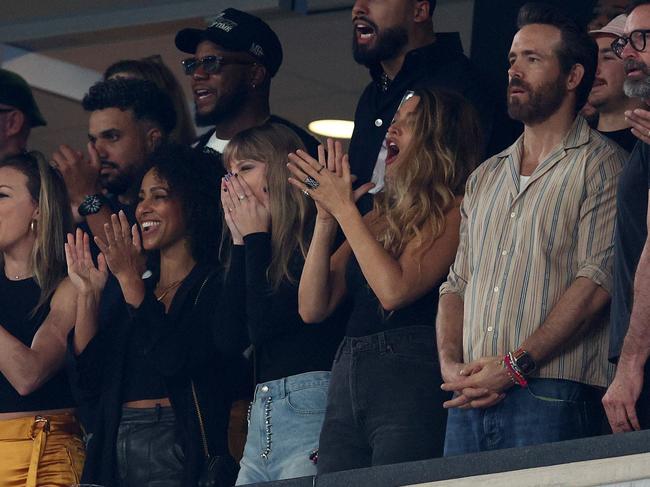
241,197
311,182
306,193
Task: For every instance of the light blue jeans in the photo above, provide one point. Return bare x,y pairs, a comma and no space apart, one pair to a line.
284,423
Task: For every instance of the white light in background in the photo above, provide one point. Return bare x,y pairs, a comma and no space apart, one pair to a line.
338,129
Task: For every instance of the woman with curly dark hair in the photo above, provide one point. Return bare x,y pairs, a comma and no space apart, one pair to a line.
166,374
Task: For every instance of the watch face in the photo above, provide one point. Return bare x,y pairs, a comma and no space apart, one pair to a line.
525,363
91,205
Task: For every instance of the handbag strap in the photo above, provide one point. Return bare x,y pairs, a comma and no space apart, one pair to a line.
195,397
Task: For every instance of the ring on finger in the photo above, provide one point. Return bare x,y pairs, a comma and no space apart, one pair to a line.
241,197
311,182
306,193
320,169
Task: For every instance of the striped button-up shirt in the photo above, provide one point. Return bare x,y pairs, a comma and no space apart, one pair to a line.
520,250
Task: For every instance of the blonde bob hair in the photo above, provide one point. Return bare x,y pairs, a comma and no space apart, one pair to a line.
292,214
47,189
445,148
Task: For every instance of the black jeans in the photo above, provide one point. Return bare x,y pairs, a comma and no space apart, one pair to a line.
147,452
384,402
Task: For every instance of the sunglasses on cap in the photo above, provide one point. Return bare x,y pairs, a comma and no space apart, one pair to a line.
211,64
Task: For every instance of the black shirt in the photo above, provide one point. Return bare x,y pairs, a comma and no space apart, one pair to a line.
624,138
18,299
631,234
441,64
311,144
284,344
368,316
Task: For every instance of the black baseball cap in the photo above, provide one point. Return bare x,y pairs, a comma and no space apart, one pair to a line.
15,92
235,30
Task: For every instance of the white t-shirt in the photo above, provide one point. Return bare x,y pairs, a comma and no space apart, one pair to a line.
216,143
523,181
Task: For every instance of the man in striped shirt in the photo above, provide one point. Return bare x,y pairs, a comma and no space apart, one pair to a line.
522,322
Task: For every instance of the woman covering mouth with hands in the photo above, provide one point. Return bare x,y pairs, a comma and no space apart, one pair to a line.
384,402
267,229
175,358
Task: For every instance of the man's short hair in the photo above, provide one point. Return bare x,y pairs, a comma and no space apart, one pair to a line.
142,97
634,4
576,47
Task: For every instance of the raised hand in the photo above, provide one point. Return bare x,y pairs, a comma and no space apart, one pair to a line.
248,214
327,181
227,207
80,173
639,120
122,249
87,278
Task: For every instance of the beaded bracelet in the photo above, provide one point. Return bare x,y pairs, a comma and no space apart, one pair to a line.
513,372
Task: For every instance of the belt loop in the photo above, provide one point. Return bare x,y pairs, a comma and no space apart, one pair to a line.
282,393
382,342
40,429
340,350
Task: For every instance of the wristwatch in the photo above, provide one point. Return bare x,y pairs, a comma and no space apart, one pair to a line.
523,361
91,204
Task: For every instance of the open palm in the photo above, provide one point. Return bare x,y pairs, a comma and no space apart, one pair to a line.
85,276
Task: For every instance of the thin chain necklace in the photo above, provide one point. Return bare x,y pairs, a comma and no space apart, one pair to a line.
168,289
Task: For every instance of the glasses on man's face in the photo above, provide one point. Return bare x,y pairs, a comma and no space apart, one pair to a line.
211,64
637,40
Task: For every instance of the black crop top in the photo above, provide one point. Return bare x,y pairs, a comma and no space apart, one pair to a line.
17,300
368,316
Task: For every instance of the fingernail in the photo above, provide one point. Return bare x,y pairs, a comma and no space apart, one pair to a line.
225,190
265,190
236,174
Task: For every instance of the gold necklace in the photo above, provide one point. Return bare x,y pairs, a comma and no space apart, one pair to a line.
169,288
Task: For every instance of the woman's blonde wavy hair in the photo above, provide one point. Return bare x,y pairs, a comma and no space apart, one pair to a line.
445,148
47,189
292,214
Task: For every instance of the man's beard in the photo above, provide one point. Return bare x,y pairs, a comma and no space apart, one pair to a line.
224,109
542,103
122,182
388,44
637,88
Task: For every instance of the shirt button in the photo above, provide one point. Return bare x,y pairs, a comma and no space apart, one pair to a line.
490,328
496,289
265,388
505,252
513,214
379,122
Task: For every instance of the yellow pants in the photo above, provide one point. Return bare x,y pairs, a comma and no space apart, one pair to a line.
39,451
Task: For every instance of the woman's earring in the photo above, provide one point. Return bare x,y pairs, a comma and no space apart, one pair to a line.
32,226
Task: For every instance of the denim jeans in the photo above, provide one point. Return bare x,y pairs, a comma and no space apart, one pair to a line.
284,421
385,403
547,410
147,452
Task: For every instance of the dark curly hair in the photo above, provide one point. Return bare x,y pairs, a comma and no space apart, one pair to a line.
194,178
143,97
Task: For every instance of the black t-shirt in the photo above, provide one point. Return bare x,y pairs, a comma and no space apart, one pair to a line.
624,138
631,234
368,316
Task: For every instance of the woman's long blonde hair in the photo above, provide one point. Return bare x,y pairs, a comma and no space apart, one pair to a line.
47,189
445,148
292,213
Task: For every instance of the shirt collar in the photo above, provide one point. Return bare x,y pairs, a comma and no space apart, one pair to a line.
577,135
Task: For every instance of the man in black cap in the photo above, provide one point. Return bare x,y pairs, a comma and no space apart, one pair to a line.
18,113
235,58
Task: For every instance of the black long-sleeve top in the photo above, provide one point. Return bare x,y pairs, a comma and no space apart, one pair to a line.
284,344
190,343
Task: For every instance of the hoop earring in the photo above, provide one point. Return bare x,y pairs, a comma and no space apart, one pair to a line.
32,226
